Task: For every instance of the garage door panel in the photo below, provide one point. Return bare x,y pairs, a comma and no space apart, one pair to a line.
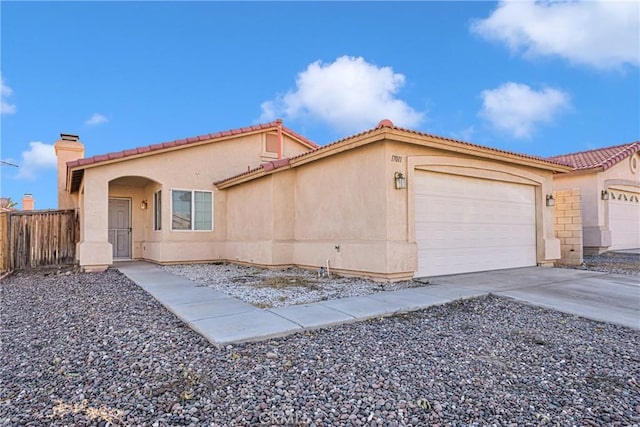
466,224
469,211
460,236
624,220
455,261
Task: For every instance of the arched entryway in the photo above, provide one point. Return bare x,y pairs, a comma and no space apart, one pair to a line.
130,200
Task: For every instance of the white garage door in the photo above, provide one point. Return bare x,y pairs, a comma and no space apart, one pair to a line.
466,224
624,219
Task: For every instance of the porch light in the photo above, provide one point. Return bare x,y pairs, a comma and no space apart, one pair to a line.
550,200
143,205
604,195
400,181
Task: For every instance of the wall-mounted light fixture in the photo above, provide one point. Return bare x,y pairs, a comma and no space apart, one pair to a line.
604,195
143,205
550,200
400,181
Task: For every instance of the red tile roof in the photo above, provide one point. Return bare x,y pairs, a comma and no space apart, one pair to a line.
389,124
599,158
186,141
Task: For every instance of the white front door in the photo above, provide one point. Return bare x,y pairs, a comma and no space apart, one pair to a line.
120,228
465,224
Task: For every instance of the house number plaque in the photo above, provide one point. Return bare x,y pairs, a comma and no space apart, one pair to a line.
397,159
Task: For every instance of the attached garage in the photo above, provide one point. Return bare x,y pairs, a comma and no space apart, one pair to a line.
609,180
392,204
466,224
624,219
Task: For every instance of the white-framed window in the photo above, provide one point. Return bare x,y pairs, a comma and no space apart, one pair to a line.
157,210
191,210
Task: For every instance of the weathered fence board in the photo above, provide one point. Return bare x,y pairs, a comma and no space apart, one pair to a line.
4,242
41,238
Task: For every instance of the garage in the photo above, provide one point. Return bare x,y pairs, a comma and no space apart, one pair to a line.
465,224
624,219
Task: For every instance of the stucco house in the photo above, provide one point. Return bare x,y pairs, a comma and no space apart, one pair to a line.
609,181
388,203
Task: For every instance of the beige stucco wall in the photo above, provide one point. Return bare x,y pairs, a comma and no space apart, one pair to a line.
137,178
66,151
345,209
332,209
342,210
596,231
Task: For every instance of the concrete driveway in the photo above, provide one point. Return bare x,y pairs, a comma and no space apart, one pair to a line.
600,296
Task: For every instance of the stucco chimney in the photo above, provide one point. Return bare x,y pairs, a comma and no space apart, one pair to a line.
68,148
28,204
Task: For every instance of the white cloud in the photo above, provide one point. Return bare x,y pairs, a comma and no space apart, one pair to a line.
600,33
517,109
96,119
5,92
349,94
39,156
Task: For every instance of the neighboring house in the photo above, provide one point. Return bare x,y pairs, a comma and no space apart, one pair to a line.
7,205
388,203
609,180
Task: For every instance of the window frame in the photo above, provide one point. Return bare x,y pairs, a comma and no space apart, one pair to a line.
193,211
265,155
157,210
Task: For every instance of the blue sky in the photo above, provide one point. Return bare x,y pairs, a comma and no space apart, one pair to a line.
538,78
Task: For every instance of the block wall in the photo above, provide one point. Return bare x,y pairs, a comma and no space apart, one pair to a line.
567,220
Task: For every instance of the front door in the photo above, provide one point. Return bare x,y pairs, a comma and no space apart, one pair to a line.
120,228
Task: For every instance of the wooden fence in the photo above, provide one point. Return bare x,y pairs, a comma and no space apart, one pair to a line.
31,239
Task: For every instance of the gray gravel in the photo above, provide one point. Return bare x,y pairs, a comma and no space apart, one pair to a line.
281,287
87,349
267,288
612,262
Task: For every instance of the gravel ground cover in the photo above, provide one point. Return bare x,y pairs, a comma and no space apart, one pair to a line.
280,287
95,349
611,262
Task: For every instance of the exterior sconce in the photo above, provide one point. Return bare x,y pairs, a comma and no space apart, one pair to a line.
604,195
400,181
550,200
143,205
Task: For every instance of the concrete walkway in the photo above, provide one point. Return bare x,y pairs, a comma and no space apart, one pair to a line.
224,319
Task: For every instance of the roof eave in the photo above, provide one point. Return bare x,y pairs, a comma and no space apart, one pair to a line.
475,150
399,135
248,176
120,156
344,145
301,159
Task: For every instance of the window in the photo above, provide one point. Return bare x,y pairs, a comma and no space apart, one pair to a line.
270,146
271,143
157,210
191,210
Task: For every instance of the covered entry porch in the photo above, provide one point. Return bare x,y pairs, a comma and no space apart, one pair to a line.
117,218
